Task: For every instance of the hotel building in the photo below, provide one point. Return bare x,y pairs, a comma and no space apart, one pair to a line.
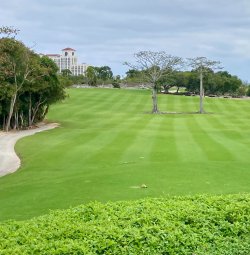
68,60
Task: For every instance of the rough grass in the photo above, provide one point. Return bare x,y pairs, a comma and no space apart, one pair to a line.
107,144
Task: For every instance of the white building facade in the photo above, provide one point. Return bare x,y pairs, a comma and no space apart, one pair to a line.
68,60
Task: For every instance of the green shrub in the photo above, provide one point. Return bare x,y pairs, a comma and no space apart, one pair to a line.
200,225
116,85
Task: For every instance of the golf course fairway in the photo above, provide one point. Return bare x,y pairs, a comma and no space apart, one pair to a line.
108,146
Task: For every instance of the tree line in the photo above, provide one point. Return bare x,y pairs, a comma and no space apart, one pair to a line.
215,83
93,76
28,84
163,71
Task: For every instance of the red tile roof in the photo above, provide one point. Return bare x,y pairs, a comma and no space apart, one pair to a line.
68,49
53,55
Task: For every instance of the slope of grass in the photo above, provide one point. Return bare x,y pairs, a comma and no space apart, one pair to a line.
107,146
218,225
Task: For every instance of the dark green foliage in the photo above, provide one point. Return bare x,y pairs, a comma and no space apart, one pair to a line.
212,225
91,76
116,84
28,85
218,83
248,91
104,73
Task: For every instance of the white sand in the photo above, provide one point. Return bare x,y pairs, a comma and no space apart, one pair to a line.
9,161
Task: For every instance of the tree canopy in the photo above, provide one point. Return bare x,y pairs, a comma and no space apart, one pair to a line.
28,85
154,66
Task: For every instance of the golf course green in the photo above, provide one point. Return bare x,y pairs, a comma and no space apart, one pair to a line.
108,146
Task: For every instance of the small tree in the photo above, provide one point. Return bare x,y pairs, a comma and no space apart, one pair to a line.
91,76
66,72
104,73
201,65
154,66
8,31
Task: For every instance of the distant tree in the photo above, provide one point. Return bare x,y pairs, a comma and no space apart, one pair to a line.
202,65
134,77
66,72
154,66
117,77
177,79
132,73
91,75
65,81
248,91
104,73
8,31
116,82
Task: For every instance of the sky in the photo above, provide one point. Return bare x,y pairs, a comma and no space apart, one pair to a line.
109,32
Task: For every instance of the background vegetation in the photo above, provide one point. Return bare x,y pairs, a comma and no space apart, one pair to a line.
215,83
28,85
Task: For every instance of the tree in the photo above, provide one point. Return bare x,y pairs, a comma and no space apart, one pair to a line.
154,66
104,73
15,68
248,91
66,72
91,76
202,65
28,85
8,31
43,90
131,73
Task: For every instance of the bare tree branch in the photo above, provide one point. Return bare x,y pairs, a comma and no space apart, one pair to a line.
155,65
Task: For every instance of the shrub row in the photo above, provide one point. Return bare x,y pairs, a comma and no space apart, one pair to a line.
216,225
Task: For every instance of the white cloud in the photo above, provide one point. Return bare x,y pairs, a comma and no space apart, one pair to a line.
110,31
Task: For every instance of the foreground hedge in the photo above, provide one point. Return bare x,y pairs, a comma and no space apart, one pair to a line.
175,225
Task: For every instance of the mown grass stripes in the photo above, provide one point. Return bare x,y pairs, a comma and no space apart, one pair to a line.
109,144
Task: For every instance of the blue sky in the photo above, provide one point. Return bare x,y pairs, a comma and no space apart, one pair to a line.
108,32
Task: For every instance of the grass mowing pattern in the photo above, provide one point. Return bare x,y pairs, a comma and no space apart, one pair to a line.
107,144
216,225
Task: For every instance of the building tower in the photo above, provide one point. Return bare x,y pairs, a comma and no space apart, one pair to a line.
68,60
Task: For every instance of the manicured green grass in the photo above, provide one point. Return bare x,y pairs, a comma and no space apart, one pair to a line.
107,145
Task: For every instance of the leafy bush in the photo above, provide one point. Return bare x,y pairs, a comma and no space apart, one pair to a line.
205,225
116,85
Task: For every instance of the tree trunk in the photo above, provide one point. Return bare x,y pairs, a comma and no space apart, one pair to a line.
30,110
21,119
16,122
4,121
45,112
166,89
154,98
201,93
12,104
34,111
